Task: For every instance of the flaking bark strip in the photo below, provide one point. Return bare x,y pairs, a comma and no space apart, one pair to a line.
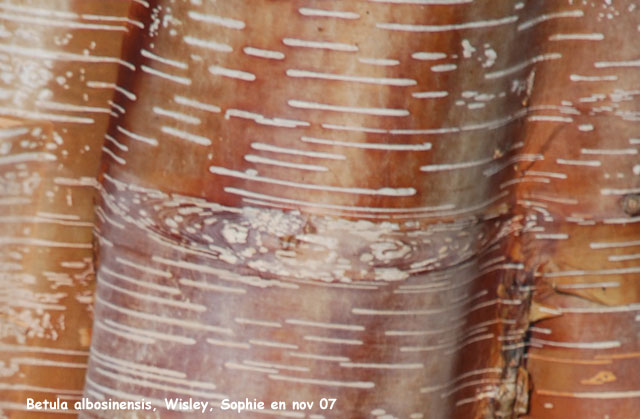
512,398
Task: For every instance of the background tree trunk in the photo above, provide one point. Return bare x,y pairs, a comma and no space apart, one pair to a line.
421,209
58,66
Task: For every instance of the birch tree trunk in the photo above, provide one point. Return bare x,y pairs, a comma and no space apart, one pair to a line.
58,64
416,208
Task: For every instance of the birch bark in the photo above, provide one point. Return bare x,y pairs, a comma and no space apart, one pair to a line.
421,209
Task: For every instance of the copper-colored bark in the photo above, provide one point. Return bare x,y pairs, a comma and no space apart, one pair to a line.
417,208
54,117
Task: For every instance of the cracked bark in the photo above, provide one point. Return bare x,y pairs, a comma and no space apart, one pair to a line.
284,212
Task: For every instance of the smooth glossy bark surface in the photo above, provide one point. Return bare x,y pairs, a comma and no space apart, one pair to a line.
420,209
58,66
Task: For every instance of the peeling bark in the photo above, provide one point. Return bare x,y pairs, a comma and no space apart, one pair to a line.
423,209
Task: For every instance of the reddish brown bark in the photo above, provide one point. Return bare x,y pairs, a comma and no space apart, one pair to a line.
420,210
54,117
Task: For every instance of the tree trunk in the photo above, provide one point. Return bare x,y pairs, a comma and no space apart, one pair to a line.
55,95
418,209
